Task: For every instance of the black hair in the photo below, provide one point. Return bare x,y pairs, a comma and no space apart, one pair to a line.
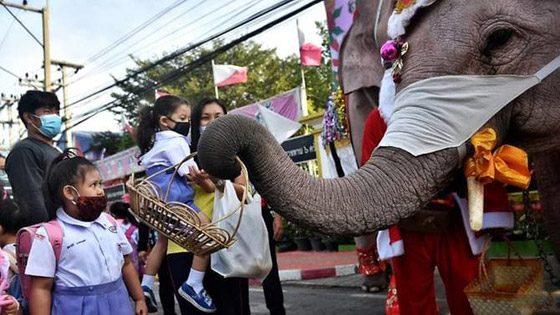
12,217
196,116
65,169
149,120
120,210
33,100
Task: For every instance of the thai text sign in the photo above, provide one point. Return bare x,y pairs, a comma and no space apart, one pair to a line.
300,149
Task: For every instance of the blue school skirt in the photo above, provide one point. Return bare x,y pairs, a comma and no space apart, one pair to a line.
180,190
108,298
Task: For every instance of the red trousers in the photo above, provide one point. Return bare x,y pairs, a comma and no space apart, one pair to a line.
450,252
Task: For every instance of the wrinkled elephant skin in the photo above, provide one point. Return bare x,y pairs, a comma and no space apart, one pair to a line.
447,38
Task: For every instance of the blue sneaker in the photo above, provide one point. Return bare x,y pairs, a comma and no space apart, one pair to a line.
150,299
201,301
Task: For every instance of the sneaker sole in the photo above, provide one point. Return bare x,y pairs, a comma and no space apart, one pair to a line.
187,297
151,307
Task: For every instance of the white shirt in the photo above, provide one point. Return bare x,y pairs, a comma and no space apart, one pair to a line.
169,149
92,252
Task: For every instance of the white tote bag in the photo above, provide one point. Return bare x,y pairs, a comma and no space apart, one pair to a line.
249,256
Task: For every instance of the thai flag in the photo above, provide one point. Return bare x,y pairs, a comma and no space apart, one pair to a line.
229,74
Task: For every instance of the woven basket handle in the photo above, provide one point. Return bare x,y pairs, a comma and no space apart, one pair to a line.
483,273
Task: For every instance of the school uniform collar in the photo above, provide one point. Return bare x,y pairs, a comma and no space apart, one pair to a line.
64,217
168,134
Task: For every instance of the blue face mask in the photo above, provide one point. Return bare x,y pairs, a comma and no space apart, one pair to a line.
50,125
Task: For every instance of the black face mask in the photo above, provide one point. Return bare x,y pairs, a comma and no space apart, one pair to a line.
181,127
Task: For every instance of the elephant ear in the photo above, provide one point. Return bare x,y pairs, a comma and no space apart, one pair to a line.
360,62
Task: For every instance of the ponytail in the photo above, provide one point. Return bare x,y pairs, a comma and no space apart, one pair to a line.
146,129
149,120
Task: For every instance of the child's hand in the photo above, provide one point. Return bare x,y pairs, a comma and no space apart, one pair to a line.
141,307
9,308
143,256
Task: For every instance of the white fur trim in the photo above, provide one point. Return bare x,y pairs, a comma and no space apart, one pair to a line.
476,243
385,248
398,22
387,96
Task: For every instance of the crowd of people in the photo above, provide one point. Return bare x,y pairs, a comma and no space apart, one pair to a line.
84,259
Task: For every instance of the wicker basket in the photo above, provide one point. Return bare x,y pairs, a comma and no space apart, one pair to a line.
177,221
508,286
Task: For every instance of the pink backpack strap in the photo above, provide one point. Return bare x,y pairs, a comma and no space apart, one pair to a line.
130,231
56,235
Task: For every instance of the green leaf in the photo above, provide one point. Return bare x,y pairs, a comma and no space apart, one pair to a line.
336,13
337,30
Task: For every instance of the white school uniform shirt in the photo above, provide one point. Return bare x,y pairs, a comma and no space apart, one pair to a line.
169,149
92,252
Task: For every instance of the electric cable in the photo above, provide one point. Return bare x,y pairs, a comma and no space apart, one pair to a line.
181,51
197,63
23,25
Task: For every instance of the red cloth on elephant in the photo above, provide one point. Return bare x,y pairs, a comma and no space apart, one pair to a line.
414,271
374,129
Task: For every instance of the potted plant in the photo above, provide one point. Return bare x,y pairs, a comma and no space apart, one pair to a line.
317,243
302,239
330,244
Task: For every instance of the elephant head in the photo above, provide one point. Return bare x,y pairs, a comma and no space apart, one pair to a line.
459,37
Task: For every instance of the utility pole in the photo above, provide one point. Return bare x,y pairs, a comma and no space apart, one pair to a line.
46,42
67,115
9,103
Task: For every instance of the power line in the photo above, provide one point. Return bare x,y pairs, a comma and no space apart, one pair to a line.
22,25
7,33
118,60
121,60
135,31
184,50
197,63
10,72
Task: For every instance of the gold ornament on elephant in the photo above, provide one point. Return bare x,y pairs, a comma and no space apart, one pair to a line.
508,165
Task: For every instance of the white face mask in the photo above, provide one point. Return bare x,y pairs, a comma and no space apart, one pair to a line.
444,112
202,128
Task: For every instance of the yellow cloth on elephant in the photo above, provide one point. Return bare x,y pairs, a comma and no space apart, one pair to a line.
507,164
205,202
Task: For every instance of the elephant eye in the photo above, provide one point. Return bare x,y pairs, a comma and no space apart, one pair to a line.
496,40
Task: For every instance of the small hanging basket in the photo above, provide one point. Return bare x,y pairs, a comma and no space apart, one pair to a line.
177,221
508,286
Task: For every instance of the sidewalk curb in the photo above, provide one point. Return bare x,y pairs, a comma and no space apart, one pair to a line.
307,274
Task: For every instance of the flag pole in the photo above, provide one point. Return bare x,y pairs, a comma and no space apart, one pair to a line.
215,86
304,111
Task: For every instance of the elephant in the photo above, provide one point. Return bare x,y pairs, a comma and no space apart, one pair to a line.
450,37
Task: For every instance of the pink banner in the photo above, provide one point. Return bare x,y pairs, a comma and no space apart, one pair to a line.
287,104
119,165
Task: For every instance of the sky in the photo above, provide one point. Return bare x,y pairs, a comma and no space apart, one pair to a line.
81,29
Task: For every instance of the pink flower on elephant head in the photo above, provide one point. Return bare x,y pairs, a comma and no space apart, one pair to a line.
389,51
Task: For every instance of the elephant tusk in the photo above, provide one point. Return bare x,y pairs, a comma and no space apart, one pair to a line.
476,202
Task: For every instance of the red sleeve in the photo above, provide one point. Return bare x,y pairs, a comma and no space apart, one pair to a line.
496,198
374,129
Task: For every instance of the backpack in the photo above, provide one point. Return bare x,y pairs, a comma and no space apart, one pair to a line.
138,265
24,240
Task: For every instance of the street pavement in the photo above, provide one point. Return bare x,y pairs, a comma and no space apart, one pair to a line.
326,283
335,295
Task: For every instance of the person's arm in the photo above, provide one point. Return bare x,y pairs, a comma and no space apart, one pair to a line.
278,227
132,283
26,176
40,299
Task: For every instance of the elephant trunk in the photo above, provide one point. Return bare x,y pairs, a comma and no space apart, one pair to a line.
548,180
390,187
